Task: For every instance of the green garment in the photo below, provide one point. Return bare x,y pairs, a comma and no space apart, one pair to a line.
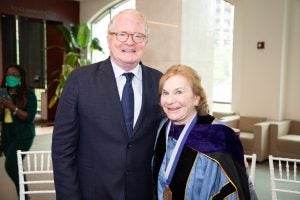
18,135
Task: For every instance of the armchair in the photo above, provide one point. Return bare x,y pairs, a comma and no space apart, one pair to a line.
253,132
220,115
285,139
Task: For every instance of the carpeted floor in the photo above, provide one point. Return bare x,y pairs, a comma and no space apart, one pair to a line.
43,142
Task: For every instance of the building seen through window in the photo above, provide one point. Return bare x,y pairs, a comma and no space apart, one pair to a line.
222,83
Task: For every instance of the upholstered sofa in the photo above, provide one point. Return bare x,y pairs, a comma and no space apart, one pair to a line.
220,115
285,139
254,134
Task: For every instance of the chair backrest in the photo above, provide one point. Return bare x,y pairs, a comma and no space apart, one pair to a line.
294,127
284,175
251,159
35,172
220,115
246,124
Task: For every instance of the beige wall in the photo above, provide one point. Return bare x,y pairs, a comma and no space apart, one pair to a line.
292,96
265,82
164,19
256,73
197,40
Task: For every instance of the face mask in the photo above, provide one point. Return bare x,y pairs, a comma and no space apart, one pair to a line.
12,81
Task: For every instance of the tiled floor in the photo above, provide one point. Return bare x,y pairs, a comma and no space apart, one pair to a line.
43,130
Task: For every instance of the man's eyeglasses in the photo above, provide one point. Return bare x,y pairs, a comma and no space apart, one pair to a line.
123,36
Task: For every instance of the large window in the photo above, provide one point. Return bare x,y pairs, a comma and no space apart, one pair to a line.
222,89
99,28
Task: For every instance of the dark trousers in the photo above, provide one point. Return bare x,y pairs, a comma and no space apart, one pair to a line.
11,162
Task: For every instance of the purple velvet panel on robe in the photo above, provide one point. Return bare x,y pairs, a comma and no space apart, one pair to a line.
209,138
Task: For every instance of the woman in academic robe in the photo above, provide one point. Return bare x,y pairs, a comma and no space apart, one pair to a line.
195,158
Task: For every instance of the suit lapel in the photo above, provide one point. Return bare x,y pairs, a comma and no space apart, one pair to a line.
107,78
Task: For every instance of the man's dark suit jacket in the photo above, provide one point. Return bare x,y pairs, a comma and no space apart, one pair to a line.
93,157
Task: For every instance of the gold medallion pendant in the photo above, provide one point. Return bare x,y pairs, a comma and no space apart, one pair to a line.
167,194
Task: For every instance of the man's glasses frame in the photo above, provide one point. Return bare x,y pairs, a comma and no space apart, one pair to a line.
123,36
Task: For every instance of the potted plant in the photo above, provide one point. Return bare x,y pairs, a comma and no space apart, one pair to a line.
78,40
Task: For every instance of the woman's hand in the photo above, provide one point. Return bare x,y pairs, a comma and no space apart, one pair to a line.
8,103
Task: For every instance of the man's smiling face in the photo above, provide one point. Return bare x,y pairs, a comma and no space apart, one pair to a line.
126,54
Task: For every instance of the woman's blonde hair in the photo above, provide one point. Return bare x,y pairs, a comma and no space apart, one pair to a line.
195,80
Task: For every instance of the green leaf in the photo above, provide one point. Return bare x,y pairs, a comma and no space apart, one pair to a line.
52,101
95,45
71,59
67,35
82,35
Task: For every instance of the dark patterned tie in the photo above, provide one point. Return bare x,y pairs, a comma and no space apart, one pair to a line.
128,103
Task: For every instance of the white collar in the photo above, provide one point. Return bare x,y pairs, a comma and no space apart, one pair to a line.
118,71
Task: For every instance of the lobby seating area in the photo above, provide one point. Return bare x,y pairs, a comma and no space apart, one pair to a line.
253,133
285,139
266,137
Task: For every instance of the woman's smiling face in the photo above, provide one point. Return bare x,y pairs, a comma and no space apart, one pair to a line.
178,100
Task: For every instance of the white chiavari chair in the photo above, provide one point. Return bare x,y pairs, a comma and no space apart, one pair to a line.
37,168
284,175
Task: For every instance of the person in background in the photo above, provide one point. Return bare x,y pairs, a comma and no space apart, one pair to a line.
18,107
195,158
97,152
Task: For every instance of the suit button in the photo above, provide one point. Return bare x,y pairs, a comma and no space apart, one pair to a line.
126,172
129,145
